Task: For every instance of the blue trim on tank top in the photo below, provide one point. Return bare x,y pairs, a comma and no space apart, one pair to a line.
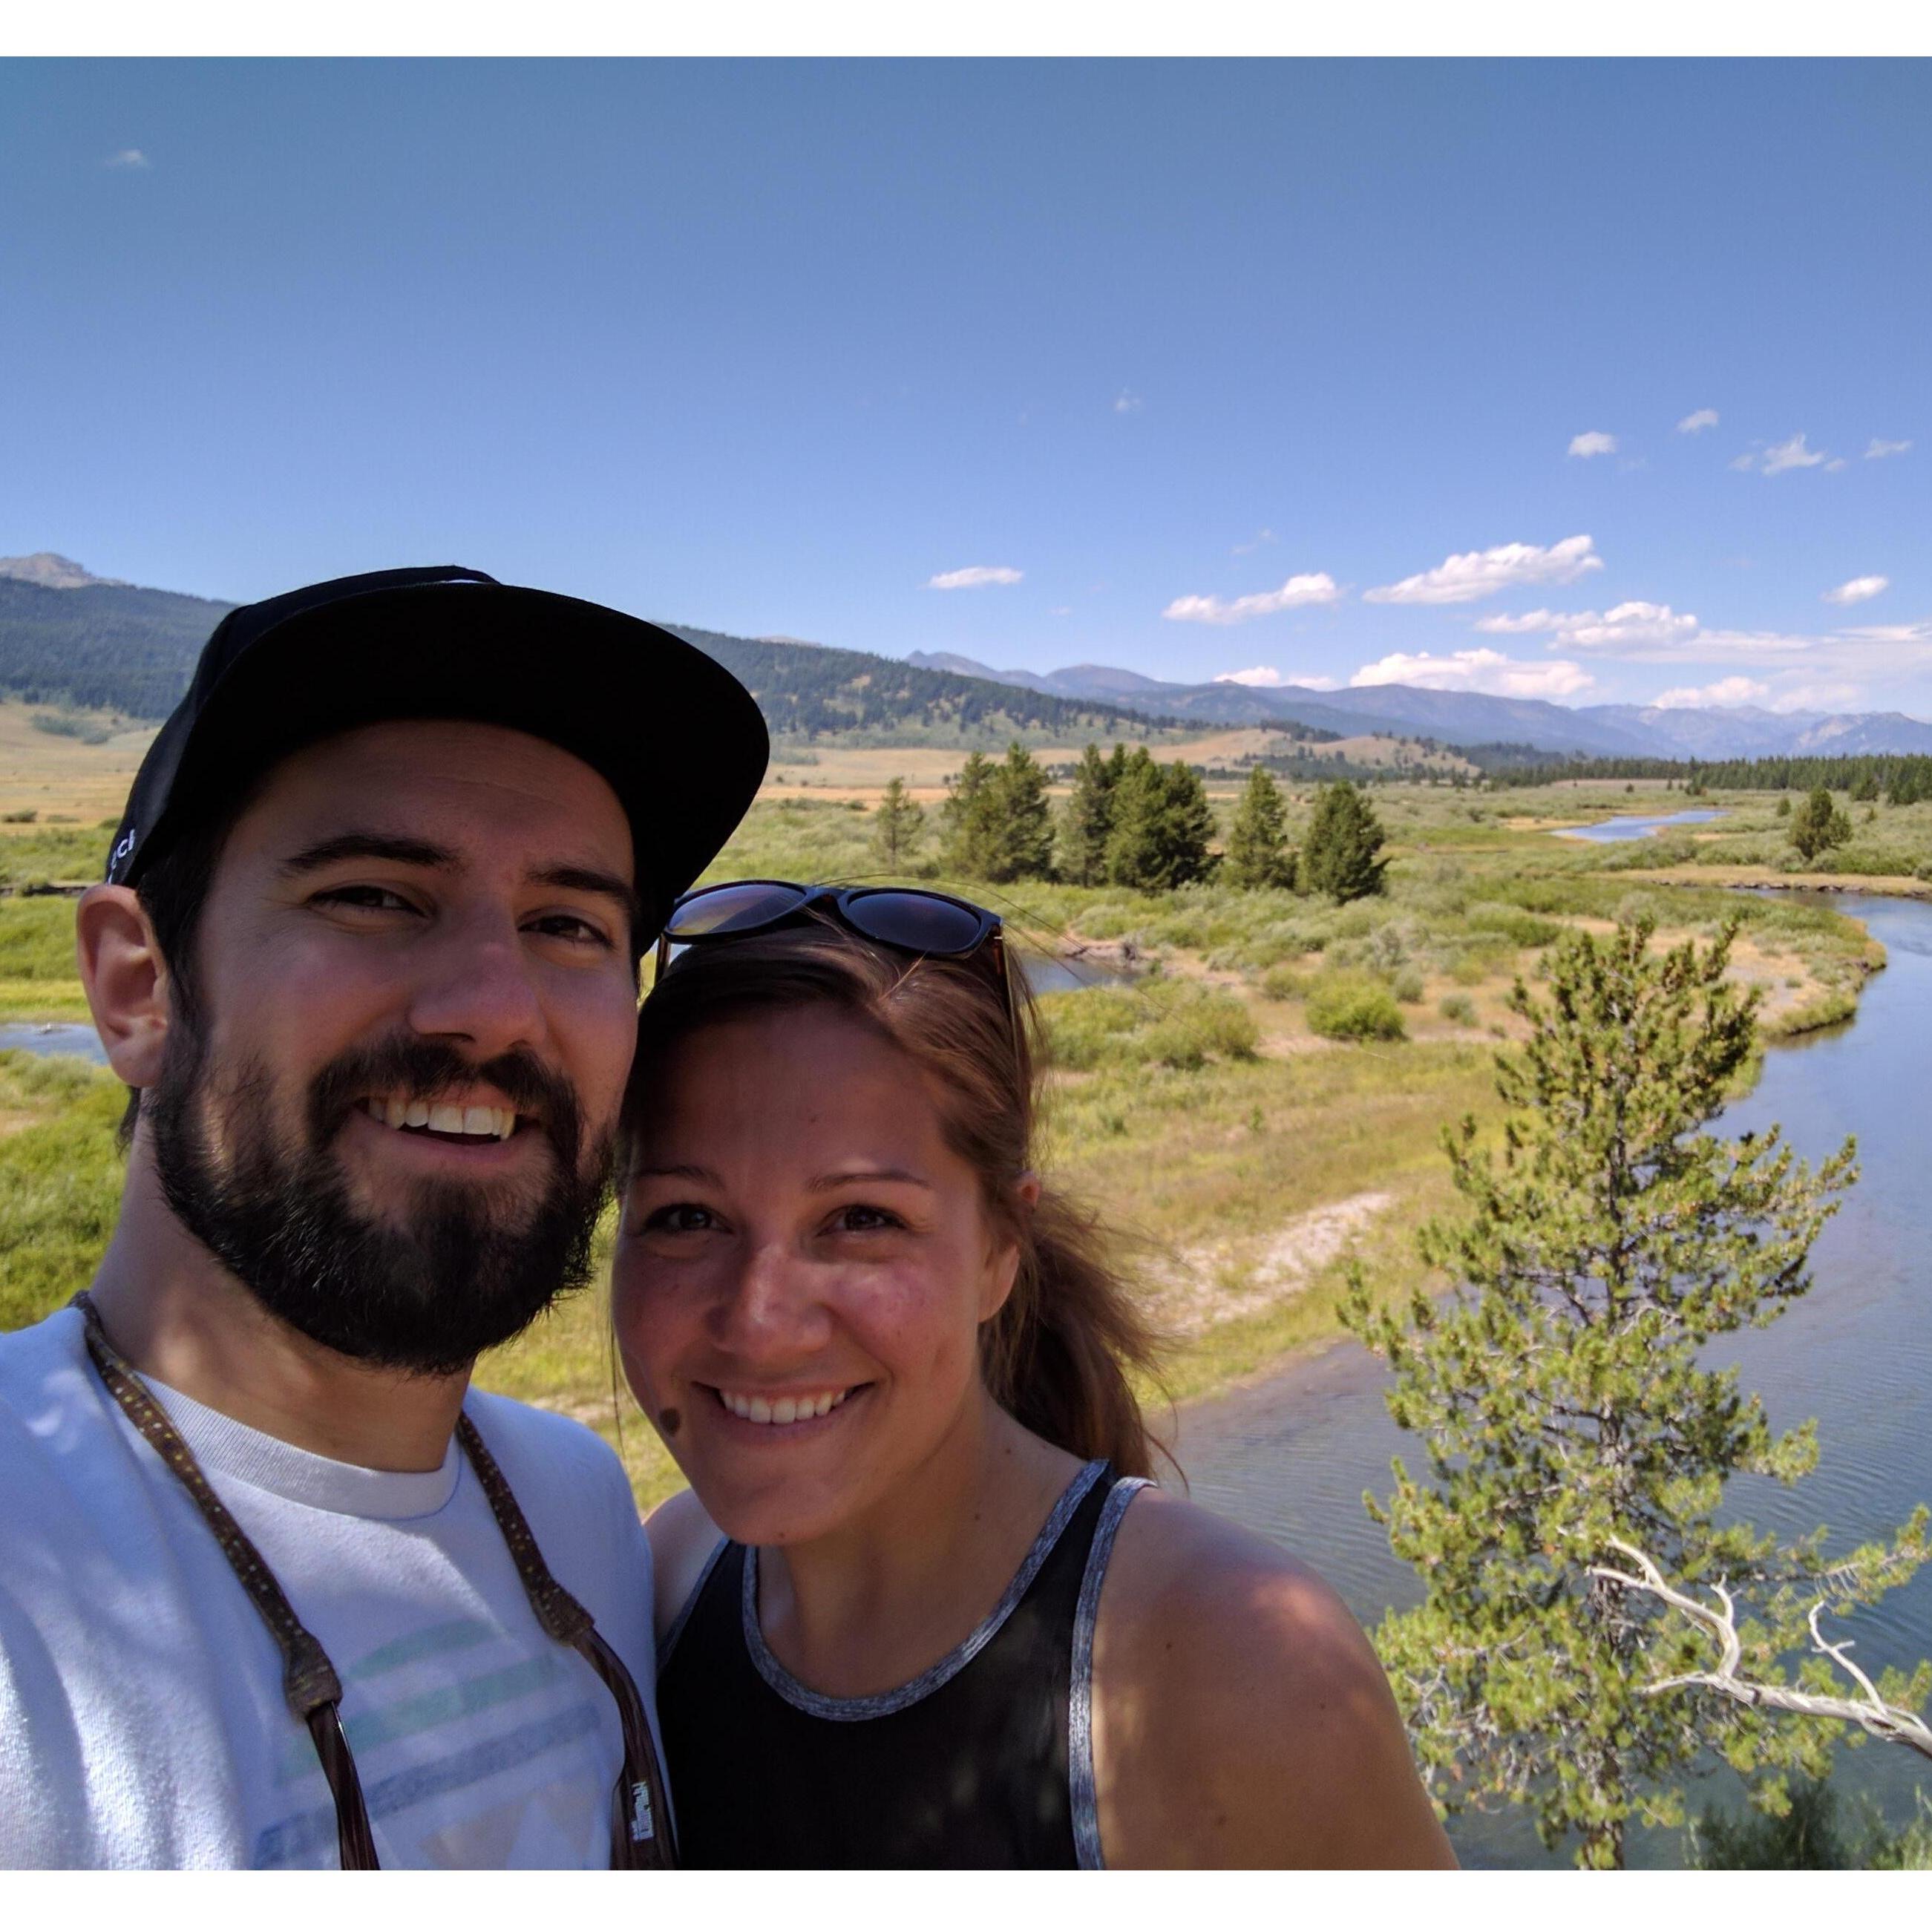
856,1710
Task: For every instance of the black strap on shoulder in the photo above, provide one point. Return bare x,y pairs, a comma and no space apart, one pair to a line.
641,1819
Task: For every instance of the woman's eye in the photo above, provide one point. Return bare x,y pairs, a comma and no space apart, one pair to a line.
859,1219
679,1217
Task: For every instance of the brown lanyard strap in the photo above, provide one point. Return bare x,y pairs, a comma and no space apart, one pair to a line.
309,1682
640,1816
641,1828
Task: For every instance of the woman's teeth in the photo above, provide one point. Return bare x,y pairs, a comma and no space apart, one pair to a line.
786,1408
482,1123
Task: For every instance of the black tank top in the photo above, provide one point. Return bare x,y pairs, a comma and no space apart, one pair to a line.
984,1760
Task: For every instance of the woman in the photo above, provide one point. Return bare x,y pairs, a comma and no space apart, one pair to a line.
920,1606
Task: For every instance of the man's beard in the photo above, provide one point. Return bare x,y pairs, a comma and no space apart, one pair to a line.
428,1295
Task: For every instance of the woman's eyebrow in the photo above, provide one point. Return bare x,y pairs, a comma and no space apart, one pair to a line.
683,1170
824,1184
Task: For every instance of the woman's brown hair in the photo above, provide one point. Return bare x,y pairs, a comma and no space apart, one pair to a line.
1058,1355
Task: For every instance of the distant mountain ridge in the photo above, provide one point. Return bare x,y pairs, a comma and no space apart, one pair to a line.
1465,718
68,637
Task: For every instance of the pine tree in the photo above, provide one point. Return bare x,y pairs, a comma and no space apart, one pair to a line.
1563,1402
1023,821
1338,852
1818,825
966,819
1163,823
1258,852
898,826
1089,817
997,822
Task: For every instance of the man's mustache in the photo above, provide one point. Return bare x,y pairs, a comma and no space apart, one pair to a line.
427,1067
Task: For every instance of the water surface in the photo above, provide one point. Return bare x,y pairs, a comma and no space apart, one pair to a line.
1617,831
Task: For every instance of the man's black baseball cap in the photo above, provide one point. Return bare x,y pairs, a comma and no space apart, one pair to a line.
675,735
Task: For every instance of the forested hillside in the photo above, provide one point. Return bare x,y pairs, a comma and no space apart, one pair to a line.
809,691
103,647
115,647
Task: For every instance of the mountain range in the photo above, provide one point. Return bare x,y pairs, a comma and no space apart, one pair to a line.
1469,718
69,637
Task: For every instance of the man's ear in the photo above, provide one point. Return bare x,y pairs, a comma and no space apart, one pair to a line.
1005,1267
126,981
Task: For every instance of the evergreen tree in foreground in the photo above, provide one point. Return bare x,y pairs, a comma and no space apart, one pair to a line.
1089,817
897,826
1339,851
1258,852
1561,1400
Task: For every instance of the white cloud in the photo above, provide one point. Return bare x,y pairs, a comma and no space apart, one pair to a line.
1248,549
1820,697
1696,420
973,577
127,158
1858,590
1313,587
1794,454
1484,671
1125,404
1061,611
1263,677
1502,625
1622,626
1837,464
1725,691
1594,443
1888,634
1482,573
1878,447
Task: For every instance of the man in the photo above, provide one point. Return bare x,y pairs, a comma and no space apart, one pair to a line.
276,1588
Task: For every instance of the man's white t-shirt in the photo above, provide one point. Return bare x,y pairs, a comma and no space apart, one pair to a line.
142,1718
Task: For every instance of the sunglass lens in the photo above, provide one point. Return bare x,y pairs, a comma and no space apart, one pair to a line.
737,908
920,922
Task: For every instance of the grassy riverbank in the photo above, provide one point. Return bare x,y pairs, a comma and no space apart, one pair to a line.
1202,1108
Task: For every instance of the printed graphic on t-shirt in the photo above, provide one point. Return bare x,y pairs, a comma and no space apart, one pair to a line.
471,1750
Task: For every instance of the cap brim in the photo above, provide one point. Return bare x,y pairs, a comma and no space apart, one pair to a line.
673,733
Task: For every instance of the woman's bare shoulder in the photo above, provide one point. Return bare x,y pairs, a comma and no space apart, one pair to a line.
683,1538
1245,1719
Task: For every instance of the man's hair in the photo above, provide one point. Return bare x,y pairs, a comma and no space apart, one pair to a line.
172,890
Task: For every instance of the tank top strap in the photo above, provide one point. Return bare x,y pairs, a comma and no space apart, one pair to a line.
1082,1788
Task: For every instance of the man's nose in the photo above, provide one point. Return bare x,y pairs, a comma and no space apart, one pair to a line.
773,1313
477,985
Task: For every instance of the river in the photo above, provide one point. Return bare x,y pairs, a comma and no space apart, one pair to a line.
1290,1455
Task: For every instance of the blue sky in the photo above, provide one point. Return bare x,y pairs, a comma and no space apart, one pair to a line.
772,347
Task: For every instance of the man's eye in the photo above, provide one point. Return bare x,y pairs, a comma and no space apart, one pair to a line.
364,898
568,925
679,1217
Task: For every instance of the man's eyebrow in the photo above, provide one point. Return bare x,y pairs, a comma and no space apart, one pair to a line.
369,845
588,879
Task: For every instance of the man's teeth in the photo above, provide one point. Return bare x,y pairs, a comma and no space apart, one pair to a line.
497,1123
787,1408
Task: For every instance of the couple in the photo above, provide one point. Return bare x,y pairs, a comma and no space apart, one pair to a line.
278,1588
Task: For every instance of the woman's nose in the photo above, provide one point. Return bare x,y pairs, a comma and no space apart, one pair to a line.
773,1308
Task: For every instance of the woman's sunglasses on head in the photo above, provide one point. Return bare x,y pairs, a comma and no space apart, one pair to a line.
930,925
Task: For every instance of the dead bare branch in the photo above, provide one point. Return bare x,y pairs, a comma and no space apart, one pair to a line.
1892,1722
